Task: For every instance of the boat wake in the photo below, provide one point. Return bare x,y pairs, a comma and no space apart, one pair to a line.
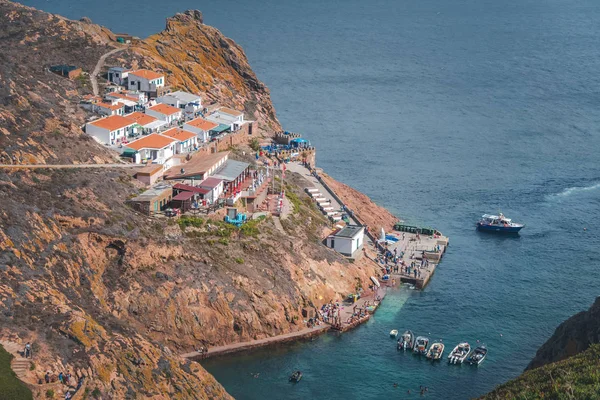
574,190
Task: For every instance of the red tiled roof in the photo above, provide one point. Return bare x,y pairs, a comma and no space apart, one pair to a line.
147,74
113,122
110,106
189,188
211,182
182,196
165,109
141,118
202,124
154,141
179,134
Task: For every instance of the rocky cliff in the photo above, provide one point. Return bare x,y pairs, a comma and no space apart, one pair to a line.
566,366
105,292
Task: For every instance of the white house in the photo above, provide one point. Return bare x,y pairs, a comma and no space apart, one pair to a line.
145,80
156,148
227,116
118,75
190,103
110,107
200,127
165,112
215,187
186,141
347,240
145,123
129,101
110,130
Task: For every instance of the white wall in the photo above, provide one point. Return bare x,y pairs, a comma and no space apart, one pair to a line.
104,135
202,135
145,84
346,246
167,118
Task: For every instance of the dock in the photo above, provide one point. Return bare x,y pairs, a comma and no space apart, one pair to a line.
416,247
347,317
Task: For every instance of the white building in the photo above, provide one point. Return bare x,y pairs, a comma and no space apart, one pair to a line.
110,107
200,127
348,240
227,116
145,123
188,102
186,141
215,187
145,80
165,112
154,148
110,130
118,75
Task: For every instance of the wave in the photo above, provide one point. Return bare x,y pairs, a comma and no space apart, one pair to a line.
575,190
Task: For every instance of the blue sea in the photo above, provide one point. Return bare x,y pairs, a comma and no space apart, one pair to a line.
440,110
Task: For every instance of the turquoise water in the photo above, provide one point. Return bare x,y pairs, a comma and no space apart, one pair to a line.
441,111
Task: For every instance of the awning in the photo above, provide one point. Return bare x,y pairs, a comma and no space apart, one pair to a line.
129,153
220,128
182,196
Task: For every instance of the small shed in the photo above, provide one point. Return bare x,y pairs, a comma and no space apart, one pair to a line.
153,200
348,240
68,71
183,201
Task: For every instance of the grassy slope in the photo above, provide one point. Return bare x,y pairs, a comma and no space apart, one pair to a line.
11,387
577,377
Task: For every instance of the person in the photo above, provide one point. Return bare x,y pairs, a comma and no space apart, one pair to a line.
67,395
47,377
28,350
61,378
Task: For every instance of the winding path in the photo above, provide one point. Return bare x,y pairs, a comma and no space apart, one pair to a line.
68,166
99,66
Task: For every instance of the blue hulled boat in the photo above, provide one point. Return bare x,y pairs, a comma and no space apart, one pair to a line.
498,223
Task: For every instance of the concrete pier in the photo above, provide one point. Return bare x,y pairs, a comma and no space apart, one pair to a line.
416,248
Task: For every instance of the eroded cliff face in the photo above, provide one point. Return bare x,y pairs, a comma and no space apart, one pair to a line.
111,294
571,337
201,59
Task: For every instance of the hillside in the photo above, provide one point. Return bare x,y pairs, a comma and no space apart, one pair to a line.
103,291
567,366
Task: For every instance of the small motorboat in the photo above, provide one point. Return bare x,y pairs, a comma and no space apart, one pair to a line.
296,376
406,341
460,352
498,223
436,351
394,333
421,344
477,356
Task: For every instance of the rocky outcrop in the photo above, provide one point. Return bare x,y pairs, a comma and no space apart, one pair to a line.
571,337
200,59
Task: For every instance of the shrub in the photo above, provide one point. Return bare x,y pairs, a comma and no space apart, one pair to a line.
49,394
239,260
255,144
196,222
10,386
224,241
96,393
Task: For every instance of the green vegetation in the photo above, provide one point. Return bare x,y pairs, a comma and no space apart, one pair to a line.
293,198
96,393
577,377
250,228
49,394
255,144
10,386
239,260
186,221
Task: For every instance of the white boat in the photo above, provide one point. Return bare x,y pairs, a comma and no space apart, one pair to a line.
421,344
436,351
460,352
394,333
406,341
478,355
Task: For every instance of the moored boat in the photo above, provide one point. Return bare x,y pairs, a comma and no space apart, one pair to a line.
406,341
421,344
436,351
478,355
460,352
394,333
498,223
296,376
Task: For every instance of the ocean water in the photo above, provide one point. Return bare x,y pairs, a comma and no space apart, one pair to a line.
440,111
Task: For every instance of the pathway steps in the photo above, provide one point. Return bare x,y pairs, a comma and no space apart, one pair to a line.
19,364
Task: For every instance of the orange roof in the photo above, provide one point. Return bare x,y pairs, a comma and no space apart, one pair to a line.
179,134
154,141
147,74
141,118
111,106
202,124
230,111
165,109
113,122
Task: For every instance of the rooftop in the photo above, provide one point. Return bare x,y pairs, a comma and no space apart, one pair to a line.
179,134
198,165
154,141
232,170
141,118
110,106
182,196
147,74
153,192
113,122
349,231
149,169
230,111
165,109
189,188
184,97
203,124
210,182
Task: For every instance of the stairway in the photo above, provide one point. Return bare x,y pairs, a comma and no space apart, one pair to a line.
19,364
